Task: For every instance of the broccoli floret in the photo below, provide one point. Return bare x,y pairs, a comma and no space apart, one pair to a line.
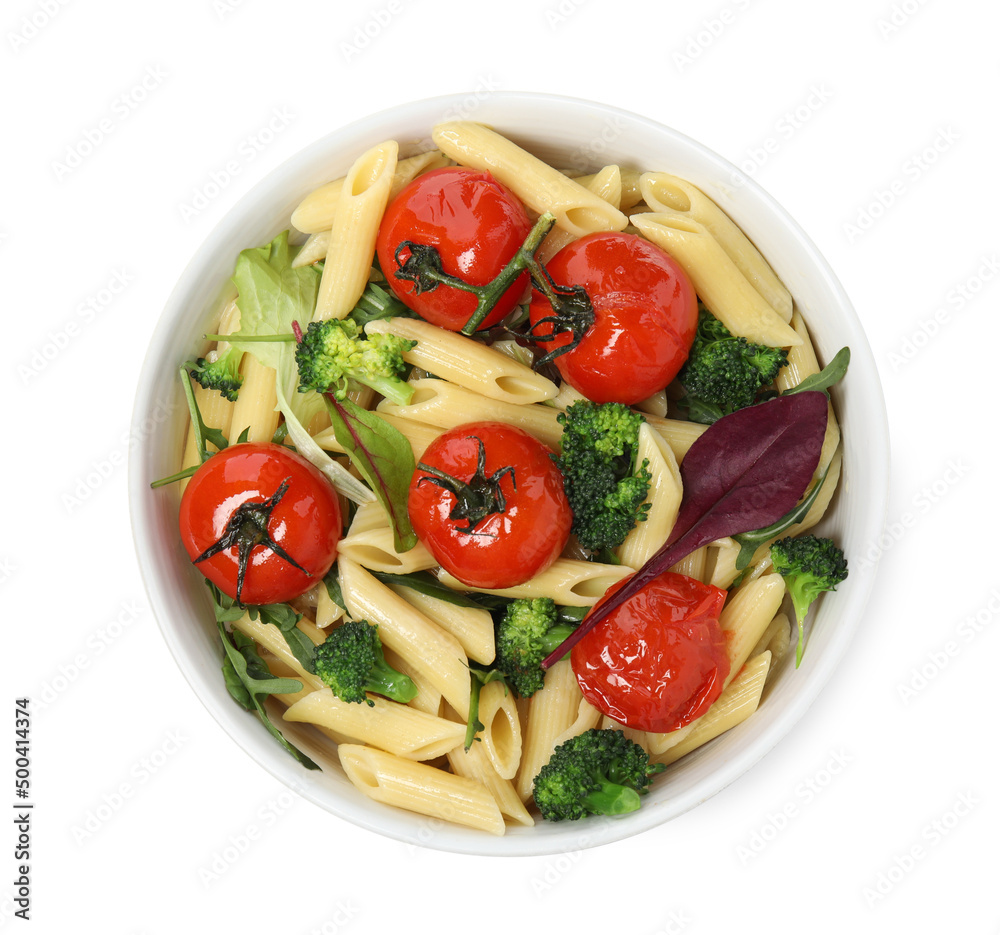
598,772
809,565
528,631
334,352
351,662
222,374
724,372
603,486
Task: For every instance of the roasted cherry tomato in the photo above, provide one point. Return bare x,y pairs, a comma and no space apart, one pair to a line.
644,321
487,500
265,508
659,660
476,226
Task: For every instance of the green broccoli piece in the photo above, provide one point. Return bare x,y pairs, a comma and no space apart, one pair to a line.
603,486
334,352
598,772
528,631
222,374
809,565
351,662
723,372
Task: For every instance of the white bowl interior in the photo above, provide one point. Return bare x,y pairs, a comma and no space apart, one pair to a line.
565,132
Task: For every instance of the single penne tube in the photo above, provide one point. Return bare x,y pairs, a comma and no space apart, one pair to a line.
466,362
280,670
567,581
668,193
746,617
733,706
501,733
779,627
606,184
802,361
271,638
444,404
693,564
375,549
420,788
587,717
541,187
395,728
316,211
566,396
356,219
256,408
629,193
655,405
428,697
475,764
664,499
726,292
434,653
678,434
551,712
217,413
313,250
471,626
418,434
328,611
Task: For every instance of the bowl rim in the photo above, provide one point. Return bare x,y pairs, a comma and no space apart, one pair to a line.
203,267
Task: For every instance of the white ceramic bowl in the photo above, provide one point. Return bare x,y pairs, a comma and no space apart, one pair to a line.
566,132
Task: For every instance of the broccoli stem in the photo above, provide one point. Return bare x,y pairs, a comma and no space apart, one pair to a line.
385,680
612,799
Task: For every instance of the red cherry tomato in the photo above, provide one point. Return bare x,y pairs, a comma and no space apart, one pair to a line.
645,317
476,225
303,520
520,519
658,661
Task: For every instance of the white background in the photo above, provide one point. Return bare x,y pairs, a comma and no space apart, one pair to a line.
878,813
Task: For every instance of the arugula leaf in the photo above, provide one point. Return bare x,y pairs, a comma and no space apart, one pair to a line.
480,677
286,620
249,679
332,581
832,373
383,456
425,583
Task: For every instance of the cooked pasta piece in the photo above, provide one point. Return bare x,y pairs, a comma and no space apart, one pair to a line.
466,362
717,280
475,764
435,654
802,360
255,410
471,626
536,183
567,581
420,788
664,499
501,733
418,434
356,220
606,184
444,404
316,211
678,434
668,193
374,549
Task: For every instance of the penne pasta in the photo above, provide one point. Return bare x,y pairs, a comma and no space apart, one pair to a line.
360,206
419,788
471,626
501,733
670,194
717,280
467,362
537,184
374,549
475,764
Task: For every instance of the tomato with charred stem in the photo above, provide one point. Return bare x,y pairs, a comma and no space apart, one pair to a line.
260,522
642,321
487,501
